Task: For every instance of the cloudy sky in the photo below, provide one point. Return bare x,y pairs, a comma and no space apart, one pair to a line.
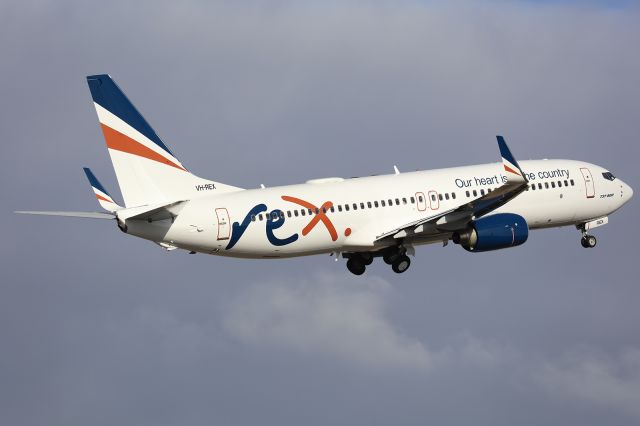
100,328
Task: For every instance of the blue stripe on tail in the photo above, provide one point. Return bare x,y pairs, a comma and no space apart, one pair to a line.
106,93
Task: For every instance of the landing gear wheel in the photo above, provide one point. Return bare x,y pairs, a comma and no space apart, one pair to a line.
588,241
401,264
356,266
366,258
390,258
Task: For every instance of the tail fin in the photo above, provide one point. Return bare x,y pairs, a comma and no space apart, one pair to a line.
147,171
105,200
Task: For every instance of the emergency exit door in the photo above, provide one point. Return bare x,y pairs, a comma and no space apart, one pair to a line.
588,182
224,227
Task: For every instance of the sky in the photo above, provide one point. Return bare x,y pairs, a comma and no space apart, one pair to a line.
100,328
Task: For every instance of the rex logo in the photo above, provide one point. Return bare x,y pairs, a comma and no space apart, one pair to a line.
276,219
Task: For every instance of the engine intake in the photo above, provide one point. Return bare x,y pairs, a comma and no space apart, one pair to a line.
493,232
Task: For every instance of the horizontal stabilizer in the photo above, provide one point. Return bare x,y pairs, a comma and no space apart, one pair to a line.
87,215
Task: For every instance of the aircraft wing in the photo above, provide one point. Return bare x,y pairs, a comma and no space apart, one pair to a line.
458,217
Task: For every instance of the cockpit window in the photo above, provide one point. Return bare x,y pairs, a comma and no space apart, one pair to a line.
608,176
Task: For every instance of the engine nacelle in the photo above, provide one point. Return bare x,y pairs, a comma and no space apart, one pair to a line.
493,232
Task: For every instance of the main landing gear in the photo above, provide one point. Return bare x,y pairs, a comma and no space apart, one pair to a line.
587,241
395,256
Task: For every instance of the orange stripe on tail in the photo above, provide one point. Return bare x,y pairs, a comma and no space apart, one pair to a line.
509,169
100,197
120,142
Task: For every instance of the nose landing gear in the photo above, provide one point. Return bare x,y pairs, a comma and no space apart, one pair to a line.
587,241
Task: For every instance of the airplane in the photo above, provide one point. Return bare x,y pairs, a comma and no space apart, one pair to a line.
481,207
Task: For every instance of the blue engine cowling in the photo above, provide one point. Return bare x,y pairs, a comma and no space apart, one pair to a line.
493,232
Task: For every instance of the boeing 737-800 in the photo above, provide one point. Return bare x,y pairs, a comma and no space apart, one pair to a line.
481,207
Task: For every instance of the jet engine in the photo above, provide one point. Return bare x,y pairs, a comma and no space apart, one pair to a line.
493,232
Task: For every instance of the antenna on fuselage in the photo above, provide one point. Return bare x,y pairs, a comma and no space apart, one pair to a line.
395,169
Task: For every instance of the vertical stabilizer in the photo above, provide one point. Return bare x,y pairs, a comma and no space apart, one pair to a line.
147,171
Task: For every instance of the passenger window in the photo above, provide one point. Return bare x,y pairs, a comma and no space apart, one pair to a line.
303,212
346,206
572,182
559,184
467,192
420,198
475,193
390,203
362,205
404,201
546,185
333,209
397,202
413,200
375,203
533,187
253,218
539,185
446,196
295,213
553,184
382,203
453,195
339,207
324,210
566,183
482,192
281,214
288,213
369,204
433,197
260,216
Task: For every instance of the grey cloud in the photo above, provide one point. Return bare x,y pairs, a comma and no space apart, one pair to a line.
608,380
326,314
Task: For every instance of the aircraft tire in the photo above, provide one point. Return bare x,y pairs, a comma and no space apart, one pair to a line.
401,264
356,266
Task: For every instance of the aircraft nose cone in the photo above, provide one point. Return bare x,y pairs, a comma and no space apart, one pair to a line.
627,192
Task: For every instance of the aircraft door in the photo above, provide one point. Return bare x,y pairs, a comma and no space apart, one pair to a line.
224,224
421,201
588,182
434,201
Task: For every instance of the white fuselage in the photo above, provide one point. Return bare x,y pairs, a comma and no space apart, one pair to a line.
567,192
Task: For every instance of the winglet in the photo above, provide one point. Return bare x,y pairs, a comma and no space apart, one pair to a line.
511,166
103,197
